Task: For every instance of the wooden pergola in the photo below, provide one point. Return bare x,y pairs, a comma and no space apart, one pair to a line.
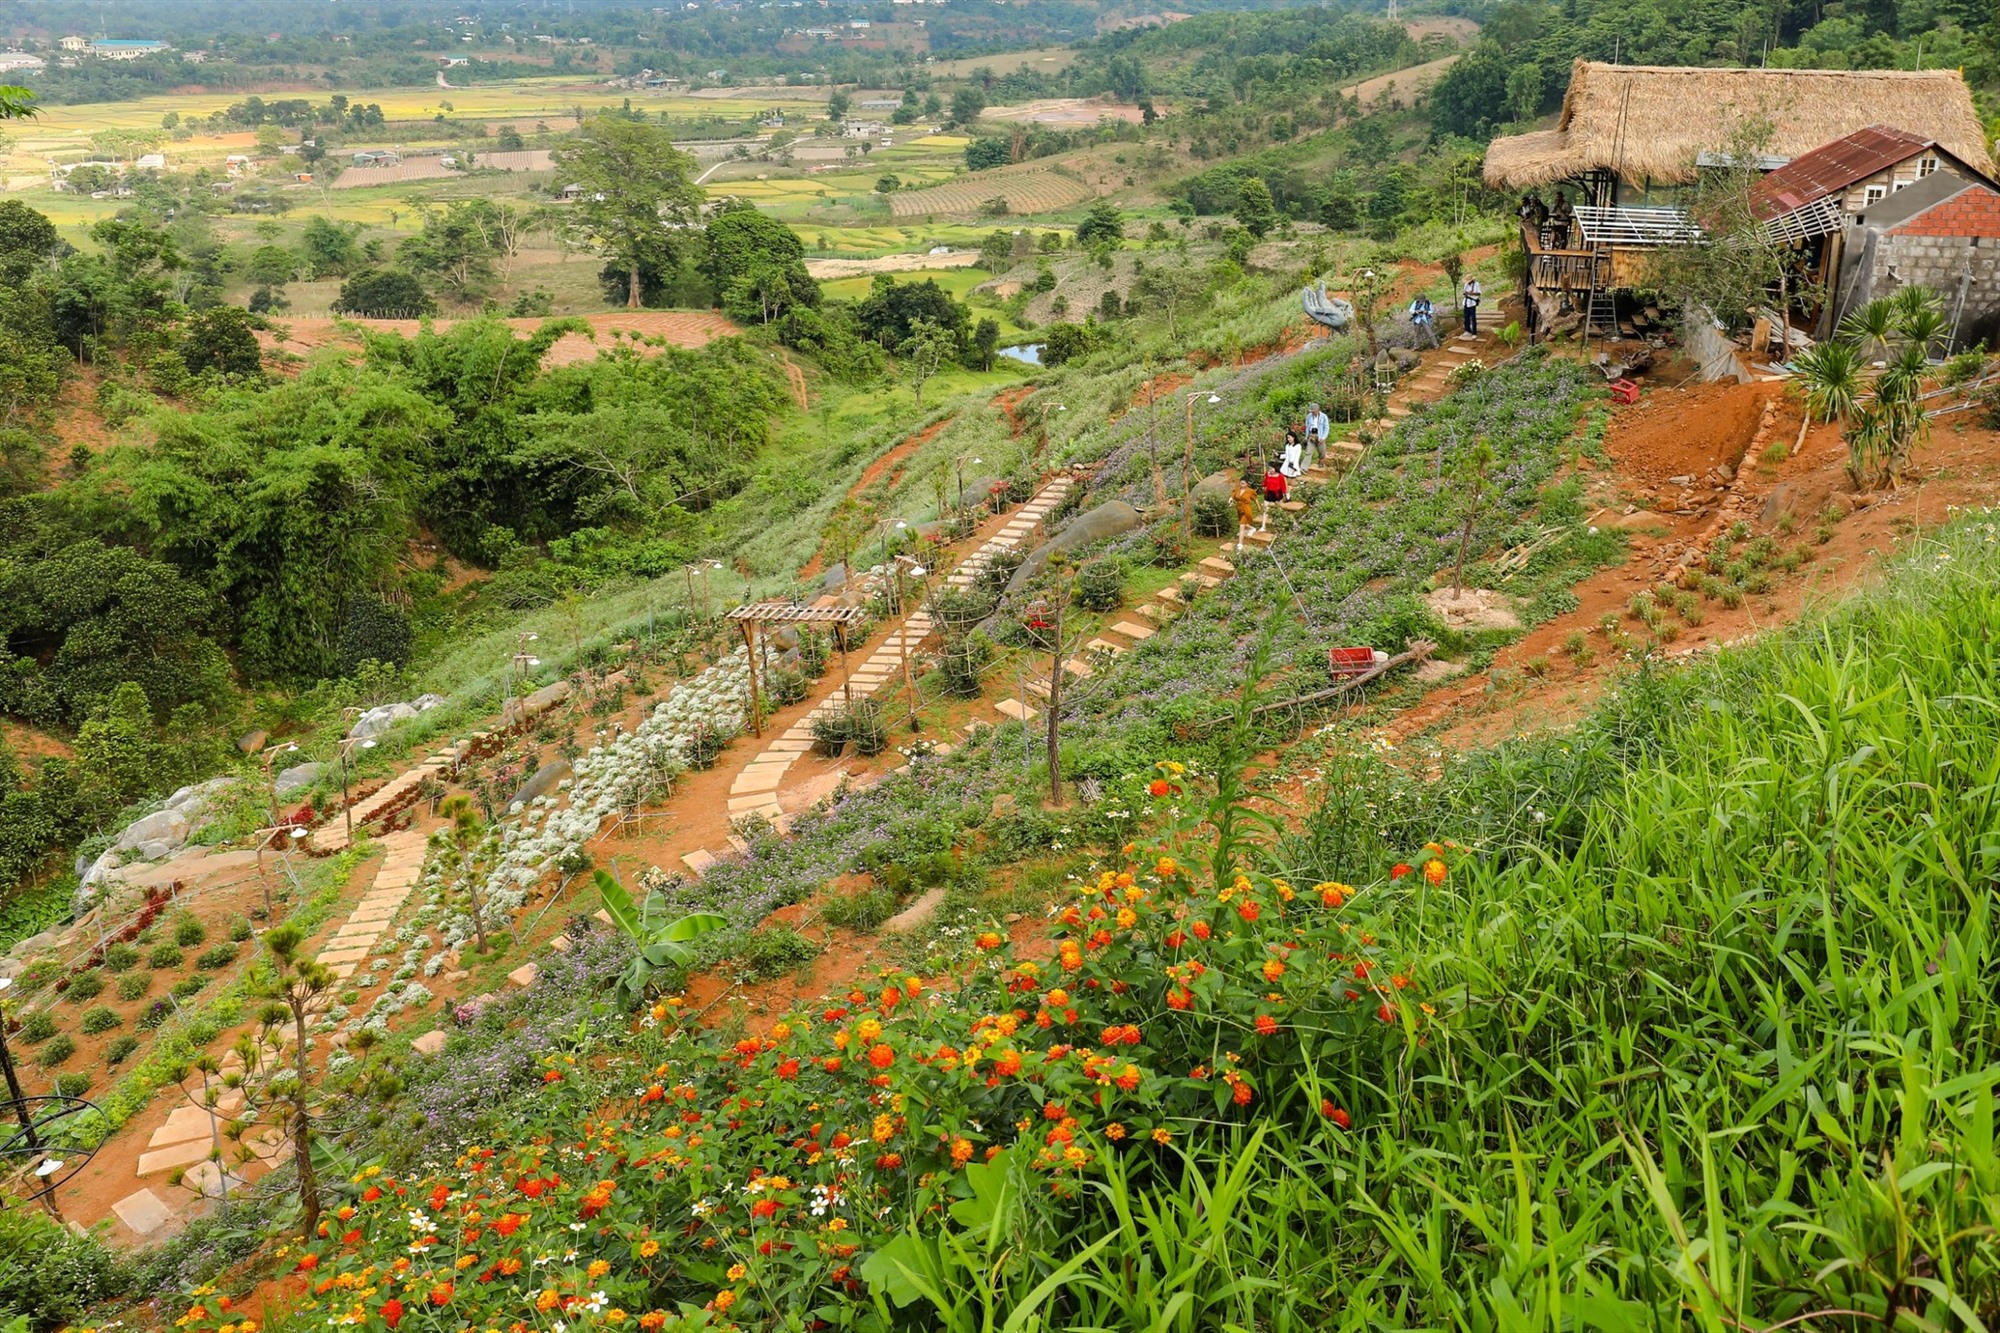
757,615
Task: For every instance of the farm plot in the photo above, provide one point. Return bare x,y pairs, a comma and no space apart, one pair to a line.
1032,188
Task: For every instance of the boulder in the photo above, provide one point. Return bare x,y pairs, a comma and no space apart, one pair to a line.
169,826
1217,483
297,778
543,783
547,697
379,719
1107,520
252,741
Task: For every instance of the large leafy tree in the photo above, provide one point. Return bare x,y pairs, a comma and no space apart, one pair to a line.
740,241
330,249
28,241
455,249
638,194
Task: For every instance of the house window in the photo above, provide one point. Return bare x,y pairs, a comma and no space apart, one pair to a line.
1873,194
1925,166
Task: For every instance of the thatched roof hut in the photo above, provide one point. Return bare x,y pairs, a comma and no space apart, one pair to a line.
1650,121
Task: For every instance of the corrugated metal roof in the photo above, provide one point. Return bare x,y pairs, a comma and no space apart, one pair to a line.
1833,167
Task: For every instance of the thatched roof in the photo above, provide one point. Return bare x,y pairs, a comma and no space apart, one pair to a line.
1653,121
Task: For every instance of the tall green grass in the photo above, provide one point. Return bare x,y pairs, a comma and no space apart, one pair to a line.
1714,1049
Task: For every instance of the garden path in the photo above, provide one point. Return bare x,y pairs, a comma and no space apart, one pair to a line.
174,1136
755,790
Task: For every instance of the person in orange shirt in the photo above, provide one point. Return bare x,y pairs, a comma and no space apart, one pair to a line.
1245,497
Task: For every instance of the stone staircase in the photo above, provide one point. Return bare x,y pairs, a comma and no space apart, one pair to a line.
755,790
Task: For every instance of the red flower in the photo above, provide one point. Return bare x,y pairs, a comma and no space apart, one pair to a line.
1200,929
1242,1093
350,1237
307,1263
1398,870
1335,1114
881,1056
1176,939
989,940
1386,1013
1159,787
788,1069
392,1312
764,1208
371,1194
441,1294
1248,911
551,1077
1266,1025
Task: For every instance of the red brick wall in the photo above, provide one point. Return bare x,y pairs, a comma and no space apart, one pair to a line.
1972,212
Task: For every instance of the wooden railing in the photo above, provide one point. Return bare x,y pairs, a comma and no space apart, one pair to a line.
1552,269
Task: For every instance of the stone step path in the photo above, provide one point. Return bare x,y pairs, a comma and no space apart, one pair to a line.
755,790
402,863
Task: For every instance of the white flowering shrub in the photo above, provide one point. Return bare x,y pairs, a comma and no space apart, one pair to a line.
608,779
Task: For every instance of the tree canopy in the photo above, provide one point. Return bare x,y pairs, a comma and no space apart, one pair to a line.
638,195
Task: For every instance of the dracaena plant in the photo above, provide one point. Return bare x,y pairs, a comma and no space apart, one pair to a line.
665,941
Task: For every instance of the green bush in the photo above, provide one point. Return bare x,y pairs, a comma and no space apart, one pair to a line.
51,1276
189,985
72,1085
1100,585
1214,515
189,932
164,956
134,984
120,1048
85,985
120,957
38,1025
216,957
58,1049
866,727
239,929
102,1018
763,954
962,662
862,909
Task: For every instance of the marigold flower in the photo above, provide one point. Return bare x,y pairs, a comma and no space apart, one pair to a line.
1159,787
764,1208
1114,1131
1127,918
598,1268
1386,1013
1241,1093
723,1300
1200,929
961,1151
881,1056
989,939
1273,969
1162,1137
1057,998
1333,895
1434,872
441,1294
307,1263
889,1161
1266,1025
653,1321
1007,1063
1165,867
736,1272
551,1076
647,1249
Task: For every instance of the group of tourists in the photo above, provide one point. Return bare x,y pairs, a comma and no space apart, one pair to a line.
1423,314
1555,227
1305,443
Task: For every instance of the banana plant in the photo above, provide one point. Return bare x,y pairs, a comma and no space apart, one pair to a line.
664,942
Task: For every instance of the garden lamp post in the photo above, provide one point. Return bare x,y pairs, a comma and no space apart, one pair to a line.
520,655
1187,470
1046,409
271,771
907,564
346,798
15,1096
962,461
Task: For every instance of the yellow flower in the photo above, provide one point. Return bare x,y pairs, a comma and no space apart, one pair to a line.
737,1272
598,1268
649,1249
1161,1137
723,1300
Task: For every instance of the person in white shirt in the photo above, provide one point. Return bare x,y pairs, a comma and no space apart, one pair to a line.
1469,301
1318,428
